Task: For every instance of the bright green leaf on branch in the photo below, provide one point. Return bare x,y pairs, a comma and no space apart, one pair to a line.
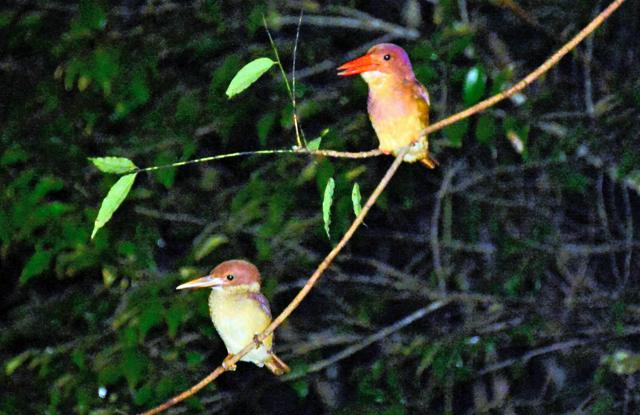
327,201
114,199
116,165
314,144
356,199
249,73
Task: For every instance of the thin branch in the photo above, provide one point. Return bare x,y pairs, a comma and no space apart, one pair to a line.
377,336
299,150
371,24
293,83
566,345
435,220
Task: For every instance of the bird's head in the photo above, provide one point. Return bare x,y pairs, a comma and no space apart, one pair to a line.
384,58
232,273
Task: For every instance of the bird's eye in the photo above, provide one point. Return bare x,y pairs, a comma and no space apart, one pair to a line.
387,57
230,277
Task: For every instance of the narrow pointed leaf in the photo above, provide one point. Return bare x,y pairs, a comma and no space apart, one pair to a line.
327,201
356,199
113,200
249,73
113,164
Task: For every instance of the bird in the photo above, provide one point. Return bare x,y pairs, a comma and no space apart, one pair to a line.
240,312
398,104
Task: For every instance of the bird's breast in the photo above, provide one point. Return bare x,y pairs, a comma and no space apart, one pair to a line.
238,318
398,111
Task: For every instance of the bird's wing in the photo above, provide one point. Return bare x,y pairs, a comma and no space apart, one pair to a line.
422,99
262,301
422,92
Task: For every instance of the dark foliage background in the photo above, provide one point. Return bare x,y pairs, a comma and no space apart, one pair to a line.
529,230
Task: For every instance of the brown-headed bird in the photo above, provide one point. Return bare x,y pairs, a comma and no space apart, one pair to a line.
240,312
398,103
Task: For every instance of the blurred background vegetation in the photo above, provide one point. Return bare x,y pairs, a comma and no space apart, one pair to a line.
528,232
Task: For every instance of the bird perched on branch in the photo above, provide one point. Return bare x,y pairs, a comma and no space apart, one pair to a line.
398,103
240,312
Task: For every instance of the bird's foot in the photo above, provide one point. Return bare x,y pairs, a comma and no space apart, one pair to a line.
257,341
227,365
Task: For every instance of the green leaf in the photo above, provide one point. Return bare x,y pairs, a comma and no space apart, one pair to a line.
314,144
36,265
114,199
475,83
208,245
174,317
194,359
116,165
327,201
485,129
249,73
142,395
15,362
455,132
133,366
166,177
264,126
356,199
301,387
151,316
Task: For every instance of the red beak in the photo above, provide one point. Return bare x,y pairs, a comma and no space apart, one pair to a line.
359,65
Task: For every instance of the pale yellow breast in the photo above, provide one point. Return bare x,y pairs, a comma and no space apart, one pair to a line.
238,319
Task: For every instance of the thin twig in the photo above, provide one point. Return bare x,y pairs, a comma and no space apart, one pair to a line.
569,344
284,77
377,336
293,83
299,150
435,220
371,24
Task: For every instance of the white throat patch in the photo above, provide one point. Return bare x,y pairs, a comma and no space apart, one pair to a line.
372,76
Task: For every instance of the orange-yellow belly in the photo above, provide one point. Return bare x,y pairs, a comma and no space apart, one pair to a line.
399,132
399,112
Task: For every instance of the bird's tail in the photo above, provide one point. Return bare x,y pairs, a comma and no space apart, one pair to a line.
275,365
430,162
